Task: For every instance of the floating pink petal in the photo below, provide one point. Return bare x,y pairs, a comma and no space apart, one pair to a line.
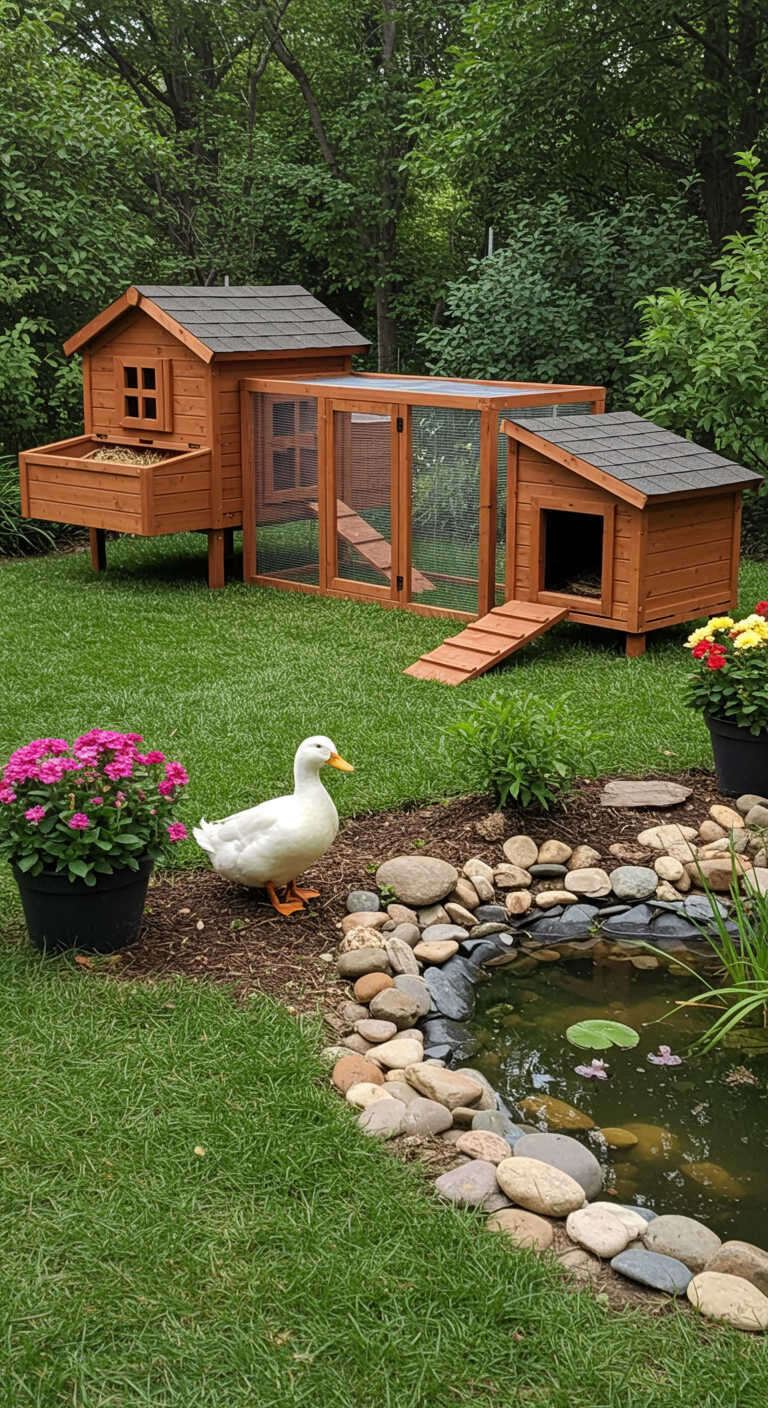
597,1068
664,1057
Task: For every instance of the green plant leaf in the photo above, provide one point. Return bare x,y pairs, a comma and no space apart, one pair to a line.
598,1033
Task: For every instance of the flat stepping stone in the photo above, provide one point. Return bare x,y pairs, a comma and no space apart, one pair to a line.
659,1273
623,792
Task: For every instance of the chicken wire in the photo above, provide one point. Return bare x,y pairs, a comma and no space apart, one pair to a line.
445,452
287,537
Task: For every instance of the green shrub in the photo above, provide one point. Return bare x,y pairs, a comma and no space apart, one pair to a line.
526,749
23,537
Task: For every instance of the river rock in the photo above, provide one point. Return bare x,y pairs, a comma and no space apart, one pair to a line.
459,914
583,858
654,1143
393,1005
367,987
407,933
625,792
757,880
548,871
375,1031
449,1088
524,1229
470,1185
669,869
711,831
355,1042
618,1138
452,993
599,1229
564,1153
496,1121
520,851
591,881
484,888
556,1113
553,852
475,866
727,817
483,1144
417,990
684,1238
425,1116
433,914
714,1178
742,1259
361,936
659,1273
383,1119
457,1040
365,1093
539,1187
552,899
417,880
659,838
518,902
633,882
352,1069
401,957
435,950
400,1052
729,1298
719,872
363,960
399,1089
401,914
512,877
489,914
363,900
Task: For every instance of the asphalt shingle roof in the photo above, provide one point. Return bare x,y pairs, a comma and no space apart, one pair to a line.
280,318
644,456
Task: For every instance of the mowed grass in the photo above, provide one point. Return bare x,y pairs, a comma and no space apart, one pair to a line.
190,1219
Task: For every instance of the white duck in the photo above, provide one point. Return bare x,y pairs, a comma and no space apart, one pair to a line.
272,843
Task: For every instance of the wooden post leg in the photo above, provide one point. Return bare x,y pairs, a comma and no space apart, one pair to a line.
635,645
98,540
216,574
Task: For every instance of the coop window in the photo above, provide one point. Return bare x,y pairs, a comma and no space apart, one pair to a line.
144,393
290,448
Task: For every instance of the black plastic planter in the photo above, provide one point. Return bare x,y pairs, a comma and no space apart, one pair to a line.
100,918
741,758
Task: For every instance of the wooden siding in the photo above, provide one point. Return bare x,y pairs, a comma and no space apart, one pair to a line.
137,336
691,559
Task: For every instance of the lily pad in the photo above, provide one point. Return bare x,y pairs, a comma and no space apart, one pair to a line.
599,1034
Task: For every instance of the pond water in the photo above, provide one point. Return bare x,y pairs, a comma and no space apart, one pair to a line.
706,1151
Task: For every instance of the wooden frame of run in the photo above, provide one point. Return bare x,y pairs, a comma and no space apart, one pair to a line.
373,394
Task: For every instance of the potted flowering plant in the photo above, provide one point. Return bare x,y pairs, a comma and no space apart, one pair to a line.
81,827
729,684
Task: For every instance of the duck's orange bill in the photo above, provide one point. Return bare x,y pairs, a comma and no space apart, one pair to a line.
336,762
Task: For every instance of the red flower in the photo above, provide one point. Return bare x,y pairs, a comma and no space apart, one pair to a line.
716,659
762,609
702,649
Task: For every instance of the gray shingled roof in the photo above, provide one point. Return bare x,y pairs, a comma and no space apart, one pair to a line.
252,318
644,456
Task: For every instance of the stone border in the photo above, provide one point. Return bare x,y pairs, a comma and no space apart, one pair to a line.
414,967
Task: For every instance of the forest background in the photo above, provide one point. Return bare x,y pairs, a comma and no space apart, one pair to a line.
522,189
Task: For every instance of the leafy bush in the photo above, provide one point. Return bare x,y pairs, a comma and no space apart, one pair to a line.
559,302
22,537
525,748
730,674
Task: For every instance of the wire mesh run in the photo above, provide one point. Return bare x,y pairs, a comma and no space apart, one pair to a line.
445,506
287,538
363,480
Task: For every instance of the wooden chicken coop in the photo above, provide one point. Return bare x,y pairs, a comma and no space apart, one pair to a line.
509,506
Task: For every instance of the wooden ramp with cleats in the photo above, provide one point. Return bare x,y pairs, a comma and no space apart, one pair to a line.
487,642
373,549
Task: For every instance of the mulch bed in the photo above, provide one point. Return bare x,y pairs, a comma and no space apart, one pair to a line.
203,927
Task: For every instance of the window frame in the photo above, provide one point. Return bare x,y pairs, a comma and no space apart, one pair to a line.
161,366
295,440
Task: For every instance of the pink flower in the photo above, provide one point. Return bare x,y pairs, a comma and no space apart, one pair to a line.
7,795
78,822
121,766
35,815
177,831
52,770
176,773
665,1057
149,758
597,1068
96,801
166,789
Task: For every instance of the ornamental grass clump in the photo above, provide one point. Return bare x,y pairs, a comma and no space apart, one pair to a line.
97,807
730,677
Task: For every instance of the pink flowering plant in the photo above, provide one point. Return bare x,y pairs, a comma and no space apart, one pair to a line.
99,806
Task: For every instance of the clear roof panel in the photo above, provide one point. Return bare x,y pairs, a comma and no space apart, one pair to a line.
436,386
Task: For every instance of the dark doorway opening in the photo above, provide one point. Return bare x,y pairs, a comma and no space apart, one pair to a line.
573,553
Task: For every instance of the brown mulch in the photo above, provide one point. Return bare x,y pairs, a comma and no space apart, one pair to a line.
203,927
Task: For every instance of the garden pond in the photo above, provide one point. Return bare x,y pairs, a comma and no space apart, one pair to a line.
701,1126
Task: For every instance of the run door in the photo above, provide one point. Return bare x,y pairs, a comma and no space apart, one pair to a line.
362,509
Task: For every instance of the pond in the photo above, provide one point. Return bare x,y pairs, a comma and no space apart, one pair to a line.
701,1127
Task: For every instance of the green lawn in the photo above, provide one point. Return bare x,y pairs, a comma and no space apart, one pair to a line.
293,1262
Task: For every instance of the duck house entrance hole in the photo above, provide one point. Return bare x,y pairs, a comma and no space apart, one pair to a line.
573,552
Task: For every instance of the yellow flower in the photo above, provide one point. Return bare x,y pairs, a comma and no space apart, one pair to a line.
701,633
746,640
750,623
719,623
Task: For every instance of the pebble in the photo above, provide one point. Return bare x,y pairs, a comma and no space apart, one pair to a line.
425,1116
460,914
408,933
554,852
475,867
401,957
363,900
539,1187
589,880
433,914
512,877
557,1113
583,858
634,882
524,1229
374,1031
548,871
365,1093
360,936
659,1273
417,990
567,1154
355,1042
727,817
549,899
367,987
600,1230
448,1087
383,1119
484,888
417,880
747,801
667,868
489,914
710,831
483,1144
469,1186
436,950
729,1298
352,1069
520,851
742,1259
401,914
518,901
400,1052
684,1238
363,960
394,1005
352,1012
465,893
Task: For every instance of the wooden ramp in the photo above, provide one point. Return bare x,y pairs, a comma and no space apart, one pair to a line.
486,642
374,549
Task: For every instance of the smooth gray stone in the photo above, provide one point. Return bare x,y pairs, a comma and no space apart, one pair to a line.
441,1053
452,993
634,882
583,913
480,949
661,1273
699,908
538,916
608,910
491,914
438,932
515,1134
563,1152
563,929
672,926
637,917
363,902
493,1120
460,1042
461,964
642,1212
547,869
416,989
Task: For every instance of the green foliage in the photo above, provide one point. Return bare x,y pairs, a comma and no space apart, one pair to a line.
598,1033
729,679
525,748
558,303
19,536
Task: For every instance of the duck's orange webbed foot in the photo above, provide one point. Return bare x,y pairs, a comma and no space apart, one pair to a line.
295,891
287,906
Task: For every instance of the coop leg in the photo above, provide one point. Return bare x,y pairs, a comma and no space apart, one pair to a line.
635,645
98,540
216,574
